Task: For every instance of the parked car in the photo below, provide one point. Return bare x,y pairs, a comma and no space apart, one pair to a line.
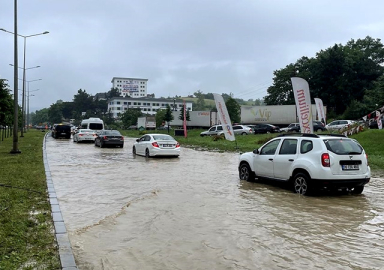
151,145
109,138
309,162
373,124
84,135
291,125
165,127
214,130
318,126
339,124
265,128
61,131
239,130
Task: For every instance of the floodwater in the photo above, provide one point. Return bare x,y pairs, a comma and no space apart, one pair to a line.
128,212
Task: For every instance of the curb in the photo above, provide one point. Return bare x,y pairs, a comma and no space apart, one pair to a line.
65,250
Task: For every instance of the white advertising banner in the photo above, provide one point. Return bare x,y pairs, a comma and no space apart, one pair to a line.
378,119
320,111
303,104
224,117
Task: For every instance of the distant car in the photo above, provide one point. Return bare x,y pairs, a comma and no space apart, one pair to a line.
109,138
164,127
151,145
265,128
214,130
317,127
291,125
61,131
240,130
339,124
84,135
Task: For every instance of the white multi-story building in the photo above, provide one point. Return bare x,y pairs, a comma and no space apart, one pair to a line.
130,87
118,105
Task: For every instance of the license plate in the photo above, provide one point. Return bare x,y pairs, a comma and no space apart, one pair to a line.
167,145
350,167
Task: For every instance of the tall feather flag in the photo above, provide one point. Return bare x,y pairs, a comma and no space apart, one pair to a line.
320,110
185,121
303,104
224,117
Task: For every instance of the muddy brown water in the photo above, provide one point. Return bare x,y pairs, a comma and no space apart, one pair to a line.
128,212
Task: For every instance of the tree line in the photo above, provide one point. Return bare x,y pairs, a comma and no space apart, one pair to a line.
348,78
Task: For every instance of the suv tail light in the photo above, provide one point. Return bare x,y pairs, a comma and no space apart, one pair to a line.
325,161
366,156
177,145
155,144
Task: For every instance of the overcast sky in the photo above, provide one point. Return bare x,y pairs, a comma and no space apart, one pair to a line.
180,46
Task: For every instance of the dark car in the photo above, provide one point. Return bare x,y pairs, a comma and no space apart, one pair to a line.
109,138
265,128
61,131
317,127
373,124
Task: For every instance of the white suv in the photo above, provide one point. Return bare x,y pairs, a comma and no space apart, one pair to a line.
309,161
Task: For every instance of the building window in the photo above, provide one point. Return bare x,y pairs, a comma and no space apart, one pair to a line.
134,103
118,102
118,108
129,103
125,103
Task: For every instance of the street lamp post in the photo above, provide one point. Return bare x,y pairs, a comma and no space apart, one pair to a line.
15,147
28,104
25,47
23,100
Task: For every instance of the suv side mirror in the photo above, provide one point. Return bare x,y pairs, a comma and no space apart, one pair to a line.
256,151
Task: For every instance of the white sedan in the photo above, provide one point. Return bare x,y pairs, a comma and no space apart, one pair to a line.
84,135
151,145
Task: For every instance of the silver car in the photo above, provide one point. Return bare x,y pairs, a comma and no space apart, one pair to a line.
214,130
339,124
240,130
84,135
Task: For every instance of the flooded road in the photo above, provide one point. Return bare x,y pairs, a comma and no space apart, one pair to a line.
128,212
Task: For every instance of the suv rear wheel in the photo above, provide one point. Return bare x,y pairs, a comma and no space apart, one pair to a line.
245,172
301,183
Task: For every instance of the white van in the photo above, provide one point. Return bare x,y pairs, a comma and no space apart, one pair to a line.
92,123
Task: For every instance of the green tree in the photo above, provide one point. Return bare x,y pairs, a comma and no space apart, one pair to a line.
55,113
187,115
114,92
40,117
234,110
338,75
200,103
83,102
168,116
130,116
160,117
6,104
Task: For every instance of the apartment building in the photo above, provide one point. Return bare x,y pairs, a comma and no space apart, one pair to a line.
118,105
130,87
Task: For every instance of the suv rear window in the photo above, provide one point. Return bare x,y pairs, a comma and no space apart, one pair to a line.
343,147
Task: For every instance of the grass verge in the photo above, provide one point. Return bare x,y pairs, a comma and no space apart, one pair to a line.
26,233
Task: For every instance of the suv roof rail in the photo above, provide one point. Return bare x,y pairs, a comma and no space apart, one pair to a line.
299,135
335,135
